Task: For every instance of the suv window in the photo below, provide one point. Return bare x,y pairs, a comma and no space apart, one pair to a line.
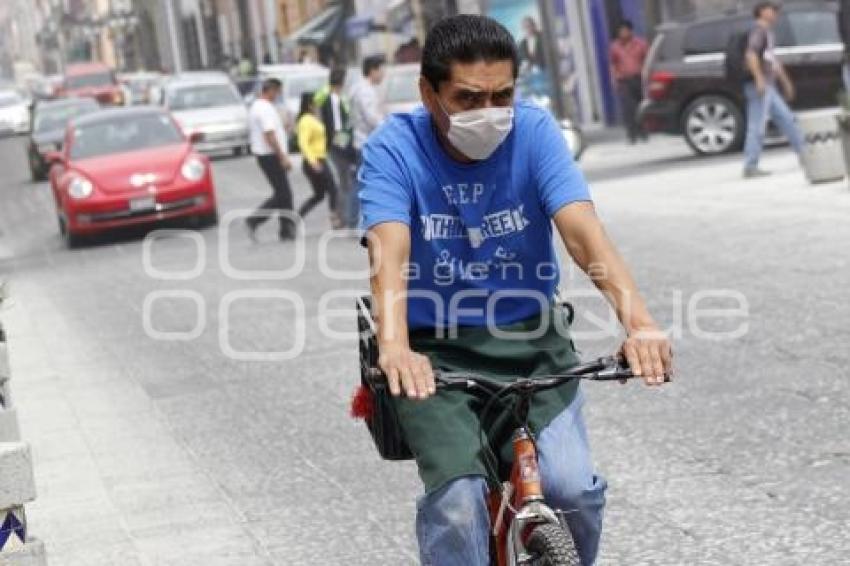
807,28
713,37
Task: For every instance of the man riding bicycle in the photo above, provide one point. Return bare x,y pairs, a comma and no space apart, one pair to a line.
458,200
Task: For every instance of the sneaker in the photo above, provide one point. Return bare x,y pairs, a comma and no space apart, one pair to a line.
755,173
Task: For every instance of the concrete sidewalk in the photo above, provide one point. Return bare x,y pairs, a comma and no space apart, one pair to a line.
114,485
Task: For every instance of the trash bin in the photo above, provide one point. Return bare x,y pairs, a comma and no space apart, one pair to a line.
823,158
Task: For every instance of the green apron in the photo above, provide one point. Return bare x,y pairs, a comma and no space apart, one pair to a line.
442,431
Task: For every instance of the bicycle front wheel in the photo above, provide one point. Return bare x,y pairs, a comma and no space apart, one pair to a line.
552,545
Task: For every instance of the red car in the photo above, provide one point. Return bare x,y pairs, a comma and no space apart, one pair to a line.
92,80
127,166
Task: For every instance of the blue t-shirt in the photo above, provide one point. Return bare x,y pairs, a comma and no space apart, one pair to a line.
481,233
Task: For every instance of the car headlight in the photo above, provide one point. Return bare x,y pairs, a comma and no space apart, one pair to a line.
80,188
193,169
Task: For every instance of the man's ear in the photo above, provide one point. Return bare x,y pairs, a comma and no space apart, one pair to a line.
427,94
430,99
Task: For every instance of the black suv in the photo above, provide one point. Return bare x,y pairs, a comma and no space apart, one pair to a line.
687,93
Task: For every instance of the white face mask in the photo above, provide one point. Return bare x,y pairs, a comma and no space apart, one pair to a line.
478,133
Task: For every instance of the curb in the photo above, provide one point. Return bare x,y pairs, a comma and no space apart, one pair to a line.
17,480
31,553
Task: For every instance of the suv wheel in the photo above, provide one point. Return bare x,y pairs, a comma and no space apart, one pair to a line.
713,125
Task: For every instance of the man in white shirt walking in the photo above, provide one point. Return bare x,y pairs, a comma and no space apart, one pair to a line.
269,145
367,113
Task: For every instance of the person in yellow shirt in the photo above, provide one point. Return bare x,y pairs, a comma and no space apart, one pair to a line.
312,142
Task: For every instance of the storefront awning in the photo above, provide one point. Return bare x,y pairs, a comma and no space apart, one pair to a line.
321,29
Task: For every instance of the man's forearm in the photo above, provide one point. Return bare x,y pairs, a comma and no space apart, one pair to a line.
389,250
783,77
272,142
754,65
592,250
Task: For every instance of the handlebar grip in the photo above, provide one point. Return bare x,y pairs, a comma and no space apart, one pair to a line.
619,375
616,374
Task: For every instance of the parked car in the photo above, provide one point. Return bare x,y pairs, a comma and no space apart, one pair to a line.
94,80
50,119
207,105
14,113
42,88
400,89
127,166
138,86
688,94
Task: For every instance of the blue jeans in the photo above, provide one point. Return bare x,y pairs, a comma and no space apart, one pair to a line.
453,522
760,108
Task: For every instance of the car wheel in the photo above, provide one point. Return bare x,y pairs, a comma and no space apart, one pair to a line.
713,125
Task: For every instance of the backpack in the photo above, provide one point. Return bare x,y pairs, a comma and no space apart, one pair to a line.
736,58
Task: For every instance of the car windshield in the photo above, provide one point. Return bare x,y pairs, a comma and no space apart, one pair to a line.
56,117
103,78
208,96
9,99
124,134
402,87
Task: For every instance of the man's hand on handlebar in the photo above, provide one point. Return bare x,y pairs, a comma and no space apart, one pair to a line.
649,354
407,371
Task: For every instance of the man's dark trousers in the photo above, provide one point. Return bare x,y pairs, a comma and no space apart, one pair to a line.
630,90
281,198
343,162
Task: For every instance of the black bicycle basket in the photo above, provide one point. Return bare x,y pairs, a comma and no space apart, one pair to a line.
382,419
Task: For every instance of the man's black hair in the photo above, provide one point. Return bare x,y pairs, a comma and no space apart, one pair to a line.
337,77
271,83
762,6
373,62
465,39
626,24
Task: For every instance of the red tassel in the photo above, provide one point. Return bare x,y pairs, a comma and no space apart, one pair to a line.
362,404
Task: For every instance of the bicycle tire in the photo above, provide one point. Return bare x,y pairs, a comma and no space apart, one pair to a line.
552,545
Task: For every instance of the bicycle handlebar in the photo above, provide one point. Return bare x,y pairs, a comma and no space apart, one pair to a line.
608,368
